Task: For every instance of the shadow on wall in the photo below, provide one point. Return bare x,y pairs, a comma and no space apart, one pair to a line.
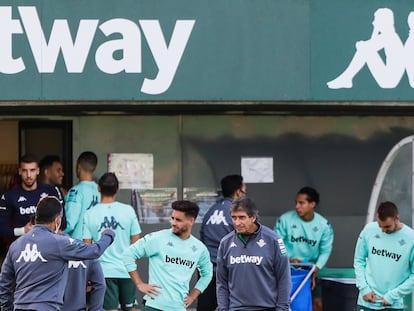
343,169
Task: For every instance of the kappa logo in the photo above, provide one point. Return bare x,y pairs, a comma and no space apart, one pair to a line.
387,72
95,200
217,218
44,194
21,199
30,254
75,264
113,223
233,245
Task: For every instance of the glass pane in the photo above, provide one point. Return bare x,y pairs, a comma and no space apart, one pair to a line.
397,183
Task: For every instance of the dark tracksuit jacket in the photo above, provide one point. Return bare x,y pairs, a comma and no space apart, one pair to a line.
80,272
253,272
38,263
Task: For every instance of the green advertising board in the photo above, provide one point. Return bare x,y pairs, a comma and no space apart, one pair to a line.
186,50
361,50
153,50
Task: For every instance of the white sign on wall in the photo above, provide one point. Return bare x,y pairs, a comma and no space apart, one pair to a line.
134,170
257,170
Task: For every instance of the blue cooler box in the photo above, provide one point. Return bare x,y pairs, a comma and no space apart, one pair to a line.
303,300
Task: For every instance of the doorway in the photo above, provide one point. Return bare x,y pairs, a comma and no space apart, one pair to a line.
45,137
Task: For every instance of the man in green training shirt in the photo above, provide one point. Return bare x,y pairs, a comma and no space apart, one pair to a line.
384,261
122,219
174,254
308,237
83,196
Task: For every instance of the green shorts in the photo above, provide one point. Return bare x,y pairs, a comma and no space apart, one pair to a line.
317,291
119,292
146,308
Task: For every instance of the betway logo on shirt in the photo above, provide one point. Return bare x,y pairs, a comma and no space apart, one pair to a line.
385,253
302,239
27,210
75,51
246,259
179,261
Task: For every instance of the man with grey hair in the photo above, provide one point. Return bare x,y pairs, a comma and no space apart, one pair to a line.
241,252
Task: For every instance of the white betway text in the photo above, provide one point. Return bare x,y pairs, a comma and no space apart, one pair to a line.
246,259
75,51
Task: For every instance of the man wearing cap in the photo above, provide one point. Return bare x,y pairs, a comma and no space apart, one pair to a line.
37,262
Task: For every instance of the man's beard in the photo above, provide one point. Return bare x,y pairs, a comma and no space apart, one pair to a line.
29,185
179,232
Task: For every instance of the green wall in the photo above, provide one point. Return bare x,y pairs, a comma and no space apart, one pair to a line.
234,50
340,156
